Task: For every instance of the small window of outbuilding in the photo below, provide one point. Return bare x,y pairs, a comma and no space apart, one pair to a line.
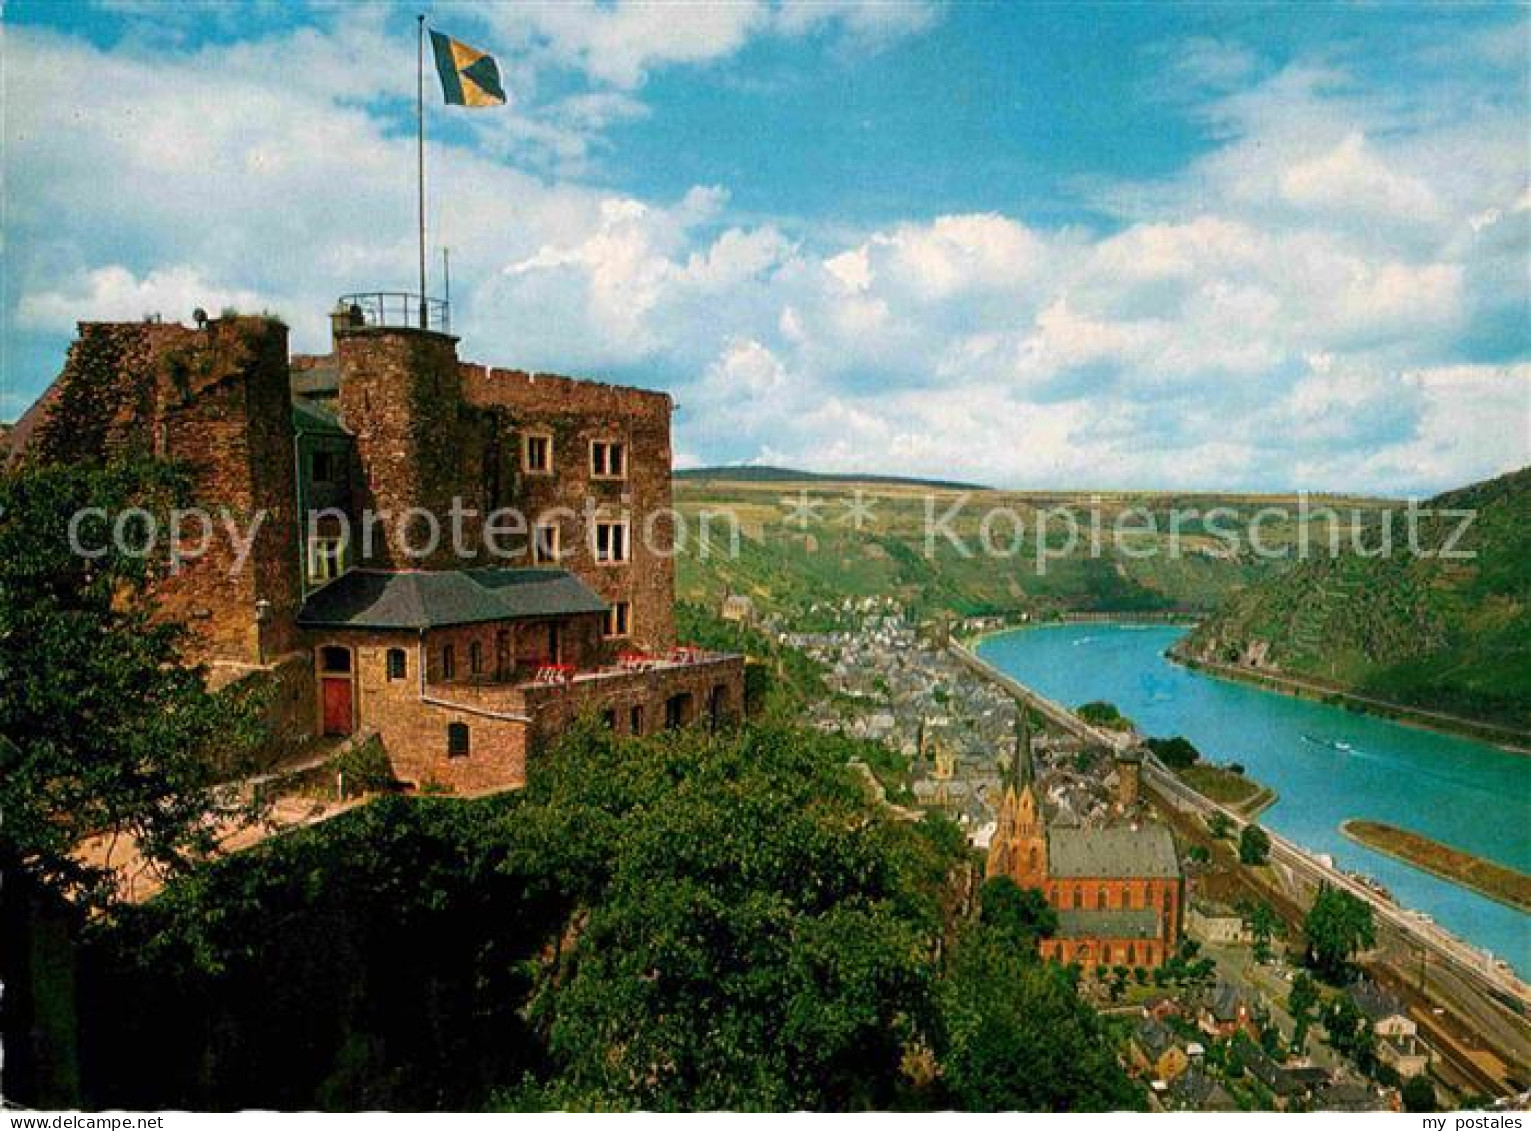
398,665
457,740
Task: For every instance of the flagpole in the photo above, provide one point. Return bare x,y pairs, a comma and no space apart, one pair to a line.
420,153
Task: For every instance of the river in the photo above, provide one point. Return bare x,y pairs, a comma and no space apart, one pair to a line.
1327,763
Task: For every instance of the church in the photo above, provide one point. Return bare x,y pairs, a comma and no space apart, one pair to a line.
1118,890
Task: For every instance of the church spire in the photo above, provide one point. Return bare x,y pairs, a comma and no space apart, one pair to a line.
1019,773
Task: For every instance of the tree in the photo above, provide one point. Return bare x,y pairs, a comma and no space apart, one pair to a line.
1349,1031
1300,1003
106,731
1219,824
1254,845
1198,854
1337,926
1264,925
1177,753
1419,1095
1016,1037
1021,914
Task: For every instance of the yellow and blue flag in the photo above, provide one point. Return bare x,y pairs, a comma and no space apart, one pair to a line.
469,77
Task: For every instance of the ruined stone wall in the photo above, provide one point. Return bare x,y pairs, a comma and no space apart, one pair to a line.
575,413
216,402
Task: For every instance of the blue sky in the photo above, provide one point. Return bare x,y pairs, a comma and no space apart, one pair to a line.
1051,245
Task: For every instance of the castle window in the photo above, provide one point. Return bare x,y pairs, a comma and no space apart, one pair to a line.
537,454
1100,899
397,664
611,542
448,662
327,468
618,615
635,720
325,558
609,718
608,459
457,740
545,547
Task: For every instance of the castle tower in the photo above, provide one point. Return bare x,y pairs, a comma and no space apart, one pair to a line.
1019,846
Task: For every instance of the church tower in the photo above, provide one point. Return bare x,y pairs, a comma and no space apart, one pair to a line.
1019,846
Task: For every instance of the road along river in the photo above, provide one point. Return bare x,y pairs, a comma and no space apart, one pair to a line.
1327,764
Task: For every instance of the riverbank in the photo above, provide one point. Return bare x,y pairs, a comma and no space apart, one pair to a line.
1488,879
1114,620
1316,691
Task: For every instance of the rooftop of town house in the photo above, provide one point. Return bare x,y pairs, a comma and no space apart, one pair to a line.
1123,923
1123,852
1372,1000
419,599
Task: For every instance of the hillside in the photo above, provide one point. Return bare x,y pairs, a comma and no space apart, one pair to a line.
802,548
760,473
1418,630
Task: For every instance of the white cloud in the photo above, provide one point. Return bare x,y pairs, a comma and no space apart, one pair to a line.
1285,311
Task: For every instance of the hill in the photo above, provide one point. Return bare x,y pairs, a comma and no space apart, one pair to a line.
762,474
800,548
1430,631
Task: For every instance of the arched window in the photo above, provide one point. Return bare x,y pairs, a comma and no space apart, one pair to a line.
476,657
1036,859
397,663
457,740
1100,899
448,662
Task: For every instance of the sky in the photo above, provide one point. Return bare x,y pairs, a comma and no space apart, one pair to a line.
1134,245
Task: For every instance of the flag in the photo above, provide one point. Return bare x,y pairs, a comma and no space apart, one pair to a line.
468,77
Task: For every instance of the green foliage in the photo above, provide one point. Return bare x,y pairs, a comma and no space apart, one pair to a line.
105,730
1264,925
780,681
755,936
1219,824
1254,845
1336,927
1420,630
379,960
1022,915
1017,1038
684,921
1349,1032
1302,1000
1177,752
1419,1095
1103,714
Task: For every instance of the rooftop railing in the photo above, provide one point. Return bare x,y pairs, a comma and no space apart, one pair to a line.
394,308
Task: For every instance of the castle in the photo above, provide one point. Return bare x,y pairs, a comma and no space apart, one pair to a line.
1118,890
459,559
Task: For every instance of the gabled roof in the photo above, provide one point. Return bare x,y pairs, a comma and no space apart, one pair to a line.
1114,853
420,599
1109,924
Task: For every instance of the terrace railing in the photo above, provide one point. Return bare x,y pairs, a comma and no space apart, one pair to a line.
394,308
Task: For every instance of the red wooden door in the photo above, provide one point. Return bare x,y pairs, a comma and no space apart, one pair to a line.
337,706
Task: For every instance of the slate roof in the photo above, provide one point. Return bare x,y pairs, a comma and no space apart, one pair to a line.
1109,924
1375,1002
1154,1037
1121,852
363,598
